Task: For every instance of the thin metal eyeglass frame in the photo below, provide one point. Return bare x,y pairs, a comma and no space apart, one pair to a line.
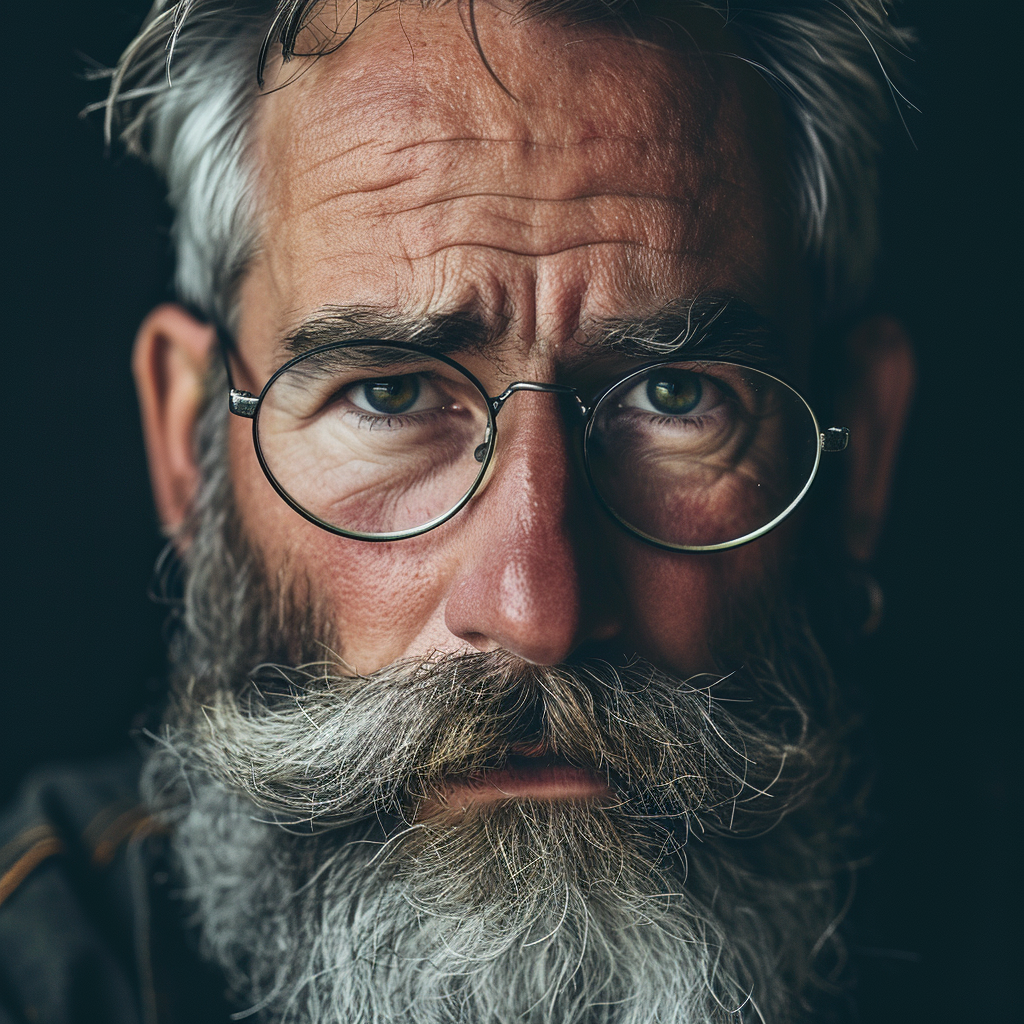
246,405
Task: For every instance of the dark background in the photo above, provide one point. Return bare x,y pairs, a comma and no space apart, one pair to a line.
87,256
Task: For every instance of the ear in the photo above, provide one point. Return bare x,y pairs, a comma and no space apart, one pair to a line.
874,405
172,352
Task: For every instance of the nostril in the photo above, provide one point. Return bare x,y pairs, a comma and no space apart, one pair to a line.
481,642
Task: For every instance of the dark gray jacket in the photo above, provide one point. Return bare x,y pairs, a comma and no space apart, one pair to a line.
90,929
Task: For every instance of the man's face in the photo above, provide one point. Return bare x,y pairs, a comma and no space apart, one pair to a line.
618,177
521,769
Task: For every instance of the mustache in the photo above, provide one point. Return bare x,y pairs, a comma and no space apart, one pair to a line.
322,748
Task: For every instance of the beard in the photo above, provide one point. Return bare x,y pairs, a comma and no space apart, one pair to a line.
329,882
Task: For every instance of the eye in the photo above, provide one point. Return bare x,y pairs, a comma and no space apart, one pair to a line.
393,396
672,391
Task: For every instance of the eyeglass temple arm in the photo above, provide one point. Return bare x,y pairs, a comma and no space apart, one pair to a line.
241,403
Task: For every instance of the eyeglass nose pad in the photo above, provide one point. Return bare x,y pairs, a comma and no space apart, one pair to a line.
484,454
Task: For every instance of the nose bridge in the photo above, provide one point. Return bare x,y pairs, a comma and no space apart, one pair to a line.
521,585
535,489
535,451
541,438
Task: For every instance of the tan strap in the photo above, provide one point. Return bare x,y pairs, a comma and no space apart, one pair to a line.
36,854
106,834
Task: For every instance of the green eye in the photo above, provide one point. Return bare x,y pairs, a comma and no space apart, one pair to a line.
393,395
674,392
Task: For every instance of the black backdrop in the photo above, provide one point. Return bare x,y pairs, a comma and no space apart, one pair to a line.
87,255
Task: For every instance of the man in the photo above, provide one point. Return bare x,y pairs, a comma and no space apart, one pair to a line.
483,433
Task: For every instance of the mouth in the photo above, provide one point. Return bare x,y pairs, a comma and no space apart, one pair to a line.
520,778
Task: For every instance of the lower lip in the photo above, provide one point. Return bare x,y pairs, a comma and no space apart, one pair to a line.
544,782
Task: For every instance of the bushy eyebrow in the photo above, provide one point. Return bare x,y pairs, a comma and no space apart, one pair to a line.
718,326
444,333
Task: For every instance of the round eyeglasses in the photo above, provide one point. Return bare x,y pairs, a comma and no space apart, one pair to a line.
383,441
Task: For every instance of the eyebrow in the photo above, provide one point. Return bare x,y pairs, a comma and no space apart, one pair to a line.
717,326
443,333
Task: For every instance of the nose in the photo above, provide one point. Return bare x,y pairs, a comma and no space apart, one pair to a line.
530,577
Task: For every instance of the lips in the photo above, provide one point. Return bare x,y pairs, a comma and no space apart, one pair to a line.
525,778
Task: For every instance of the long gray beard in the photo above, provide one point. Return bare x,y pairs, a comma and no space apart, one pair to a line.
704,892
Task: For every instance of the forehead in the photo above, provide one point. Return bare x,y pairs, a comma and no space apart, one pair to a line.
397,172
419,69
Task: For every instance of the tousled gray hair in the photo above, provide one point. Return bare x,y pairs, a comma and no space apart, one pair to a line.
831,62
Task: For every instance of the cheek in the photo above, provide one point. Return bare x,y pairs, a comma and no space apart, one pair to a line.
382,598
682,605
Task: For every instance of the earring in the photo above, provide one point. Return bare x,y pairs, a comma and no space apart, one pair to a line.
871,605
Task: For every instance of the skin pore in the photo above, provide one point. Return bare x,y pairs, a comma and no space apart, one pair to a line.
612,176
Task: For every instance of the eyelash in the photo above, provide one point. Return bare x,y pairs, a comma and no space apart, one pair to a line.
382,422
678,422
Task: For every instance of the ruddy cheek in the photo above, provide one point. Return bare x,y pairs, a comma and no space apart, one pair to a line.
680,602
381,599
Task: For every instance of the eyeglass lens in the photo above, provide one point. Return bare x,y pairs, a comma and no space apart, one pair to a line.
696,455
373,441
376,441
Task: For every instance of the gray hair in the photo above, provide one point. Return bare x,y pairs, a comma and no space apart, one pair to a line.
831,63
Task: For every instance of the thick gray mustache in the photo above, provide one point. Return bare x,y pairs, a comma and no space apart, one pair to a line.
324,749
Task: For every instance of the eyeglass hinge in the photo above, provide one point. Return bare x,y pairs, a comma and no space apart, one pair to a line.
835,439
242,403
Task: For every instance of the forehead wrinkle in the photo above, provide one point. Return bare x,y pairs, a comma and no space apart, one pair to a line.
469,219
536,227
432,98
558,251
538,200
658,170
667,162
386,148
433,207
442,200
459,279
532,143
464,293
